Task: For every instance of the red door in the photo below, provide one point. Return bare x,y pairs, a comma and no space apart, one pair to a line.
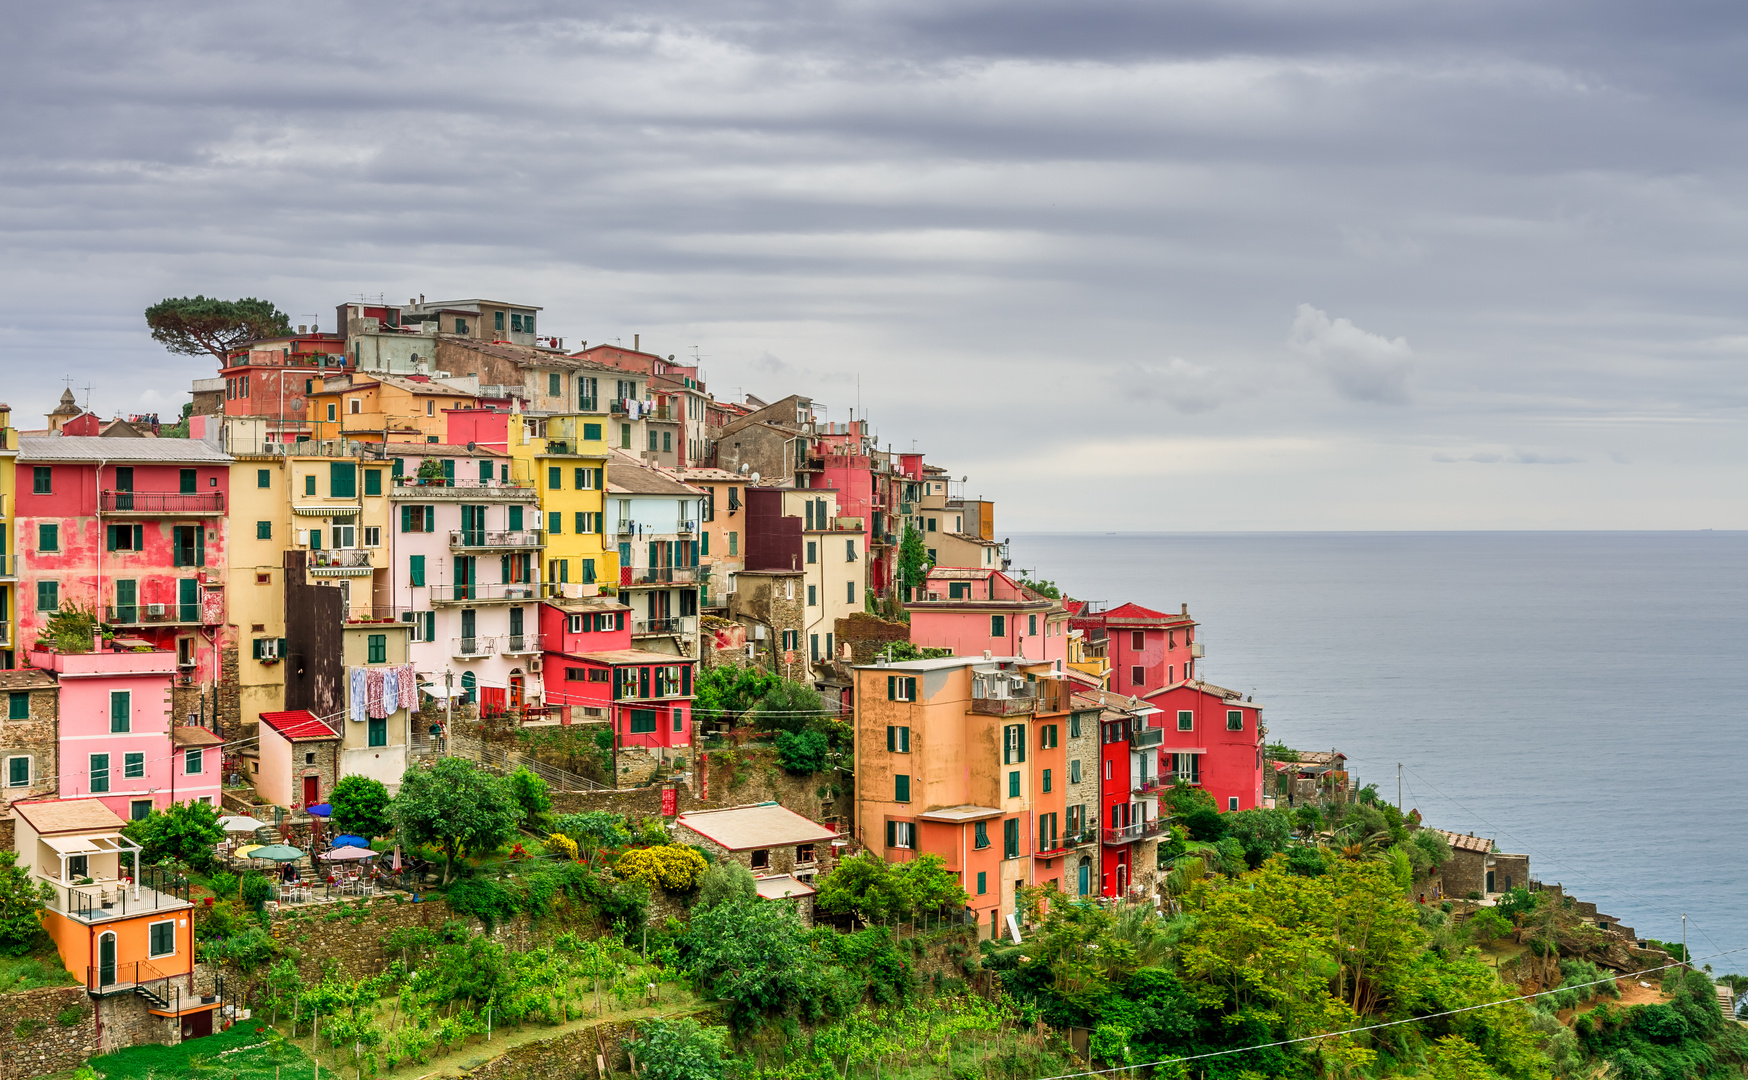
312,790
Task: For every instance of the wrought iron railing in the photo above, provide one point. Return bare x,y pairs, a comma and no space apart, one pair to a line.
163,502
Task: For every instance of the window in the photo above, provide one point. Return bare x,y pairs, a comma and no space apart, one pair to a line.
1010,838
555,522
813,647
373,481
592,432
1232,804
378,731
461,326
850,591
431,410
554,385
901,789
897,739
193,760
99,773
418,519
901,834
1187,767
1074,726
982,875
643,721
163,935
140,809
264,530
1234,720
625,436
1031,626
416,570
120,712
372,536
1186,720
734,543
760,859
1074,771
653,441
332,411
18,772
498,321
133,766
1014,784
554,478
263,478
48,538
378,649
803,853
900,688
1137,640
812,549
998,626
1013,744
18,705
1137,675
1047,736
40,480
309,485
342,480
667,442
813,596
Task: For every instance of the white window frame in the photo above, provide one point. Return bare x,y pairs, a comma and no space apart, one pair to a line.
29,769
171,923
1186,720
372,536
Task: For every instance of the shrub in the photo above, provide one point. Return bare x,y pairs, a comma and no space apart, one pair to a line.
21,900
1204,824
725,882
674,867
182,832
561,845
361,806
679,1049
1486,925
485,899
529,792
246,950
257,890
223,884
803,751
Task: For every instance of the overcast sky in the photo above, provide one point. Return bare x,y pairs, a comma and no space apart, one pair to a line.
1234,265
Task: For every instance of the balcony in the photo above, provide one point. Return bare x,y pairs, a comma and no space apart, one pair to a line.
8,568
681,624
686,528
1144,784
1002,695
1140,830
443,487
658,575
1143,737
340,562
1049,847
157,890
163,503
153,615
495,540
626,528
451,595
520,644
467,648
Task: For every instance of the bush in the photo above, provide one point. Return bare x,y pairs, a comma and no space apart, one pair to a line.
361,807
70,1016
21,901
1487,925
1306,860
679,1049
723,883
1204,824
530,793
257,890
803,751
484,899
674,867
181,832
246,950
223,884
561,845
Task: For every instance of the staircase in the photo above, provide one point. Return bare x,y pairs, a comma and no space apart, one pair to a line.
154,995
1726,1001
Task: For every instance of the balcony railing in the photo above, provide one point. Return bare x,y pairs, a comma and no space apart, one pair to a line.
1000,695
1143,737
1141,785
681,624
627,527
515,644
158,889
465,647
494,539
459,483
484,594
163,502
8,567
658,575
339,559
152,614
1140,830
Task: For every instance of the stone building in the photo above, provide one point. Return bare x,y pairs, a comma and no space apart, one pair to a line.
1477,868
29,734
784,850
772,605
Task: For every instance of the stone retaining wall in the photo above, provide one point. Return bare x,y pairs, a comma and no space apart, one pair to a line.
33,1041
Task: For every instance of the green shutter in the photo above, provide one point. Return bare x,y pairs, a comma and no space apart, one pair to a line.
373,481
901,789
406,519
200,545
109,535
892,688
891,738
554,478
18,705
515,519
255,653
120,711
599,486
342,480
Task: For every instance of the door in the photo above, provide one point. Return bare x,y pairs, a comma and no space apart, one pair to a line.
124,488
515,689
473,525
187,600
1489,881
516,629
197,1025
127,598
312,790
1085,874
105,959
469,624
464,577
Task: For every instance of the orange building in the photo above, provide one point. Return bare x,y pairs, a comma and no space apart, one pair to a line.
120,930
964,757
361,407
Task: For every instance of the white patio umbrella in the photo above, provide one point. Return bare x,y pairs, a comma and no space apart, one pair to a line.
240,823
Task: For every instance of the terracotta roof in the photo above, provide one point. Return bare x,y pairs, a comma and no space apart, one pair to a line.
406,450
188,735
1465,841
969,573
27,679
68,815
761,825
298,725
1136,614
627,478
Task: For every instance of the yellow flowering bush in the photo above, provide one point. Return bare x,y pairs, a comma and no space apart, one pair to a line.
560,844
673,867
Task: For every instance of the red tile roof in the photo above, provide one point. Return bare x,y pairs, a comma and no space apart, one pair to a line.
298,724
1137,613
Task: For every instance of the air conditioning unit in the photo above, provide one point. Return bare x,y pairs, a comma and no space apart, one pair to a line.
155,609
534,665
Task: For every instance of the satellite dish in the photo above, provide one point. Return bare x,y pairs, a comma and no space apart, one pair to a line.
470,447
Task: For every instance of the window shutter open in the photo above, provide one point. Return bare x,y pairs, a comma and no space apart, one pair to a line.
139,538
892,688
200,545
406,519
430,519
891,737
892,834
910,689
257,651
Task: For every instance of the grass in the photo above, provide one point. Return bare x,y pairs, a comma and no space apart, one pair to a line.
254,1056
33,973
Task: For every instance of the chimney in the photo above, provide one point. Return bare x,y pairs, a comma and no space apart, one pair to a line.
1186,609
637,343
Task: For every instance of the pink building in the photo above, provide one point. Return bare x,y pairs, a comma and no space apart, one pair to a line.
973,611
117,740
592,670
1148,649
133,529
1213,739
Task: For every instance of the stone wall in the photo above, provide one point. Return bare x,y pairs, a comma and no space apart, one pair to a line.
645,801
1510,871
38,738
569,1055
34,1042
865,635
752,775
1464,872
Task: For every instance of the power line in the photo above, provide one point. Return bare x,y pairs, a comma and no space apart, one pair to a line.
1381,1025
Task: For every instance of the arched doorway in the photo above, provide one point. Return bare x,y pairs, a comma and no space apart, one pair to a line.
469,688
105,958
1085,874
516,689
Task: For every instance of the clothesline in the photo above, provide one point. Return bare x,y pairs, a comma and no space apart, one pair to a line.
378,692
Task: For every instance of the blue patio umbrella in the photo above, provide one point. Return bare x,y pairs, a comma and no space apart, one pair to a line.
321,809
348,840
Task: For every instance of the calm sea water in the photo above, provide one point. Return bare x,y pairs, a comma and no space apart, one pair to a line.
1577,696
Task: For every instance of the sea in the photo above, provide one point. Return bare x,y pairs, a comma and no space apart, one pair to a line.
1580,697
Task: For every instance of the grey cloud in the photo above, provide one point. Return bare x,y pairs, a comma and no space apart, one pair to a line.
1187,387
1361,366
1515,457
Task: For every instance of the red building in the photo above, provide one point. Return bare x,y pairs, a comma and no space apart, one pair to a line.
133,529
1213,739
273,378
1147,649
842,458
593,674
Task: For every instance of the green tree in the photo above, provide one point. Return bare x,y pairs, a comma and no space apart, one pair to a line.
803,751
531,796
456,806
191,325
792,706
595,831
913,560
21,902
724,694
880,892
679,1049
361,806
71,629
181,832
753,956
724,883
1040,585
1262,832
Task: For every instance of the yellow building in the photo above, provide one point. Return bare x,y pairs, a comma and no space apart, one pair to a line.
566,458
363,407
307,496
8,541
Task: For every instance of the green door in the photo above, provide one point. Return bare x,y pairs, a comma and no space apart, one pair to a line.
187,600
105,959
464,577
473,525
127,601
